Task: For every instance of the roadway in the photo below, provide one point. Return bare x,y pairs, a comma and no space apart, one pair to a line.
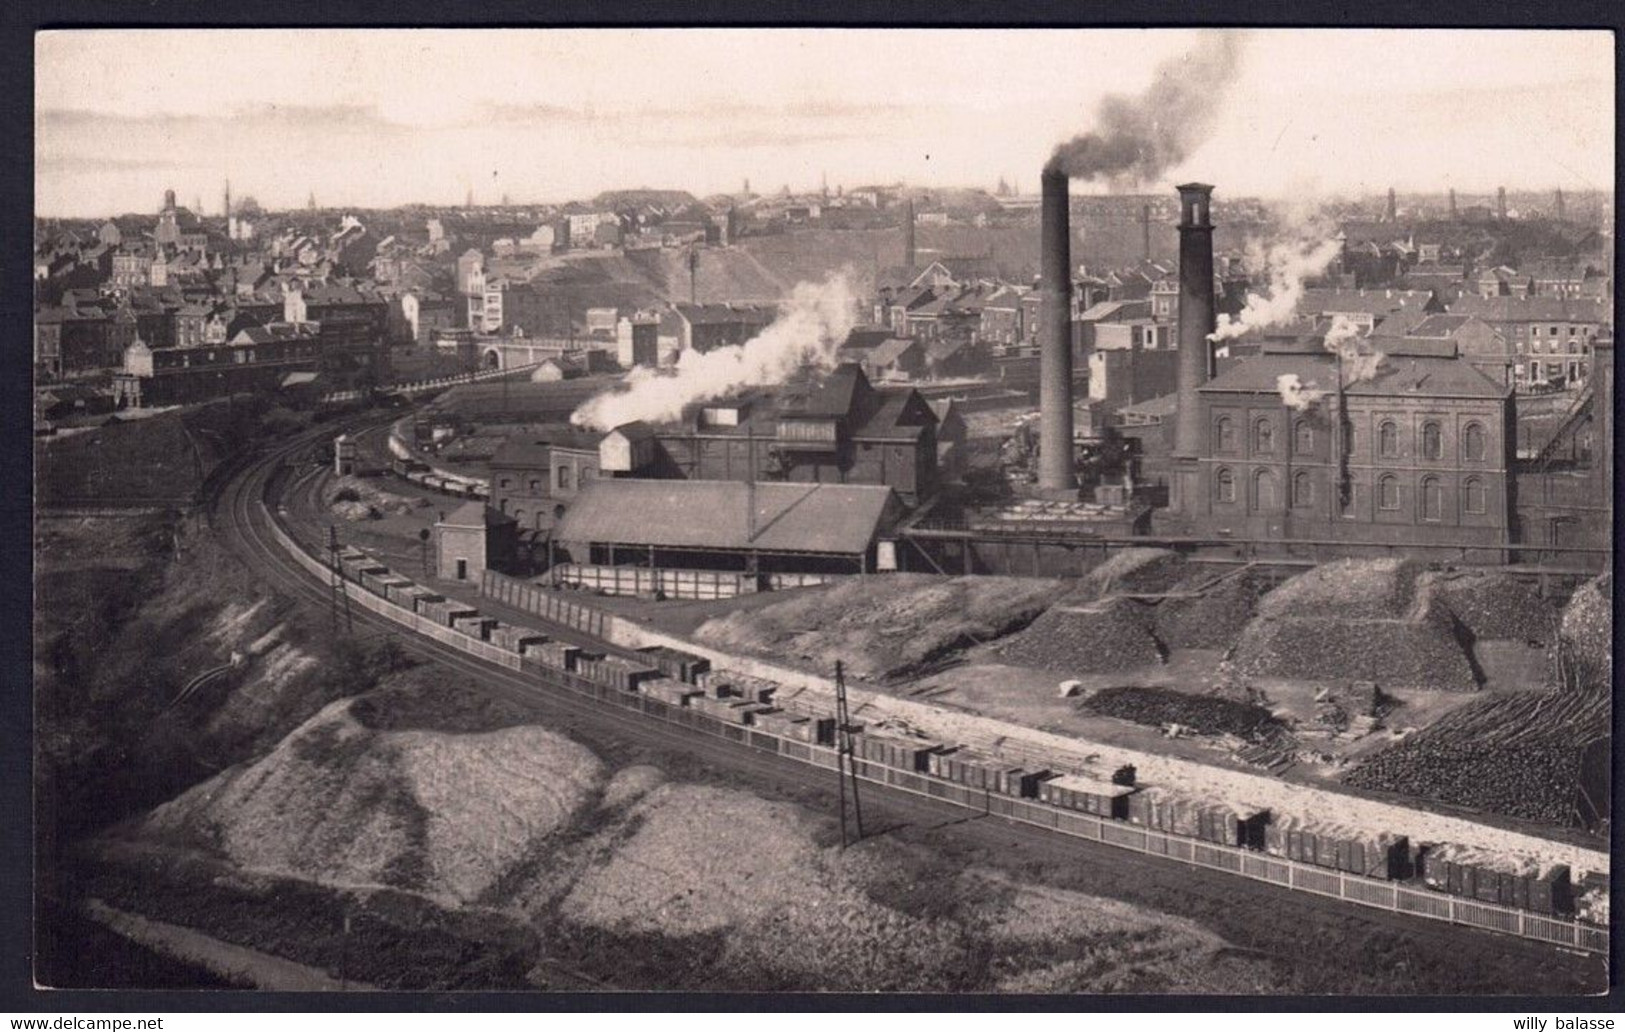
1285,924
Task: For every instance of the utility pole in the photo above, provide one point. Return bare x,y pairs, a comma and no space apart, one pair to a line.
338,597
846,765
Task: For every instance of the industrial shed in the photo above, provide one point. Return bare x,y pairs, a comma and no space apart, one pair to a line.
724,525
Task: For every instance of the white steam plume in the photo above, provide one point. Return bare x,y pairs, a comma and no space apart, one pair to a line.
809,330
1359,360
1289,264
1297,396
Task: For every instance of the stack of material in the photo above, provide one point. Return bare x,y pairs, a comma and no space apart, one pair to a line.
1585,653
1517,755
1088,638
1205,714
684,666
1216,618
1134,571
1355,619
515,639
1493,606
729,684
787,725
731,710
669,690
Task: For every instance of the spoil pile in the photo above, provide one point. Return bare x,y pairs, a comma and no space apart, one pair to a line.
1215,618
1585,650
884,626
1082,637
353,498
1203,714
1493,606
1355,619
1134,571
342,802
1517,755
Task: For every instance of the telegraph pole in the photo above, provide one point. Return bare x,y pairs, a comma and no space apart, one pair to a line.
338,597
846,766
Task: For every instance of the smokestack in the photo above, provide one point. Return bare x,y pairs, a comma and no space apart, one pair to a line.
1393,209
1197,312
1501,201
1145,230
1452,202
1055,340
1560,205
908,234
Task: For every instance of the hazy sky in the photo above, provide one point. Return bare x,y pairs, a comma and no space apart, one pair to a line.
385,117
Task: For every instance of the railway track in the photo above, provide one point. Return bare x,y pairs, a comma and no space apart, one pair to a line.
238,514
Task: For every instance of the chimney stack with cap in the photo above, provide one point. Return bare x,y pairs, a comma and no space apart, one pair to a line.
1055,472
1197,313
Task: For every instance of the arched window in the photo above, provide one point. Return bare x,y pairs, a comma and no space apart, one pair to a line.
1388,492
564,478
1264,436
502,505
1224,485
1472,442
1388,439
1432,442
1432,499
1472,496
1303,437
1303,491
1264,491
519,516
1224,434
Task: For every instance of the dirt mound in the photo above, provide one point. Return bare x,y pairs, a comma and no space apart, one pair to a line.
885,626
1132,571
1493,606
341,803
1088,638
1214,620
354,498
1585,653
1350,589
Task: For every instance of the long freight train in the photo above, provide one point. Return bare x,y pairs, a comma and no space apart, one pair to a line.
661,680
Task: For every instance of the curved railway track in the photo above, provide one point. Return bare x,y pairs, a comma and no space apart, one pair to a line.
1277,920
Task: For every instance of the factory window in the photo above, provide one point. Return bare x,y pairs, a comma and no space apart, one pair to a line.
1472,442
1303,437
1388,492
535,485
1224,434
1303,491
1388,439
1432,498
1264,491
1264,436
505,482
1472,493
564,478
1225,485
1432,443
1554,331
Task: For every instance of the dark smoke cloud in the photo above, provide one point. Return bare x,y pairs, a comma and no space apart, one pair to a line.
1136,139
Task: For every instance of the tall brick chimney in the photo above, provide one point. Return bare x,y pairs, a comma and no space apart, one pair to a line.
1501,201
1145,230
1197,313
1055,337
1452,203
908,234
1393,207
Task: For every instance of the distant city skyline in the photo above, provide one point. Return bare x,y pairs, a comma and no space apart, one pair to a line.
381,118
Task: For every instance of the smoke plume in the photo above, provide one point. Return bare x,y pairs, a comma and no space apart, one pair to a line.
1295,393
1359,361
1289,264
810,328
1137,139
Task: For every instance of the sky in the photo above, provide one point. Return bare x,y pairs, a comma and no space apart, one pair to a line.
377,118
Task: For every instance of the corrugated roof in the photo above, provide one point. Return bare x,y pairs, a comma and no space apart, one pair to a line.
711,514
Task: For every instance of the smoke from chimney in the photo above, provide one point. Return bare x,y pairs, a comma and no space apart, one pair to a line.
1295,394
809,330
1137,139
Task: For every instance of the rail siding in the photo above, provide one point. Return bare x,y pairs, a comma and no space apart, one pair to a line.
1369,892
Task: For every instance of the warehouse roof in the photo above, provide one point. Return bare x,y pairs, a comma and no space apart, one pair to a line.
711,514
1425,376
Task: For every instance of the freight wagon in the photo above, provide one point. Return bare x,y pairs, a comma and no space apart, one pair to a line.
677,664
671,677
1547,891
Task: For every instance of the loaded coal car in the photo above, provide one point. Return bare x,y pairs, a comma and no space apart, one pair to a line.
1379,855
967,767
614,671
677,664
669,690
514,639
1087,795
1458,872
910,754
